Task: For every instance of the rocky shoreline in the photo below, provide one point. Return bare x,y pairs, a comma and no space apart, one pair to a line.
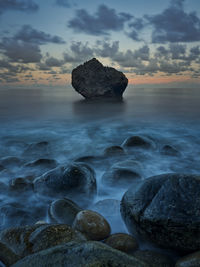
68,227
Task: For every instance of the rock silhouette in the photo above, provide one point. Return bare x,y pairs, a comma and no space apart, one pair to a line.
93,80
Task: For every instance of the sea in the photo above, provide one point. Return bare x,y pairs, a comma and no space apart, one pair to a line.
75,128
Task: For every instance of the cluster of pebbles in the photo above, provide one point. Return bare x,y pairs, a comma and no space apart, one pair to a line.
65,226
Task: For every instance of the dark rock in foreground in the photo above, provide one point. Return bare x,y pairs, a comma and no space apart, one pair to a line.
166,210
92,253
93,80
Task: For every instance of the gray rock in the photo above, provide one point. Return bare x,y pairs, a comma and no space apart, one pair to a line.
114,151
122,174
7,256
75,181
191,260
30,239
165,209
169,151
137,142
122,242
87,254
63,211
93,80
154,259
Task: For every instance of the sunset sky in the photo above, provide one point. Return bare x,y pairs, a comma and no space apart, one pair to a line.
153,42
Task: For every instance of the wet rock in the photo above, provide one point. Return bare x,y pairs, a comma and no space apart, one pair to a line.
16,239
31,239
93,80
48,236
92,224
122,242
63,211
7,256
191,260
11,162
166,210
137,142
74,181
114,151
153,259
45,163
20,184
122,174
14,214
35,149
169,151
72,254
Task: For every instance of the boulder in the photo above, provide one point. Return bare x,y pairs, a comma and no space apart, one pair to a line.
93,80
169,151
20,184
123,242
122,174
89,254
63,211
154,259
92,224
191,260
114,151
137,142
7,256
75,181
31,239
166,210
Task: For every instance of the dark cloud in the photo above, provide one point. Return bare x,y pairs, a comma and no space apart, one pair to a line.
136,26
18,51
78,53
104,20
28,34
64,3
54,62
175,25
18,5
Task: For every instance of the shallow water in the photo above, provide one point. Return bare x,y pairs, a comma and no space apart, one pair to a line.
76,128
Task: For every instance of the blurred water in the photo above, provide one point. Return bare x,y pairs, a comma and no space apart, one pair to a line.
76,128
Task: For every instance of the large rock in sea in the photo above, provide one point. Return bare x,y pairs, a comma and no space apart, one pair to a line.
93,80
166,210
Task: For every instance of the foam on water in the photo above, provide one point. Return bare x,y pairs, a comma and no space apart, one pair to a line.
75,128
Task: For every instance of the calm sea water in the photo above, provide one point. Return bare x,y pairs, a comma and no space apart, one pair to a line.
76,128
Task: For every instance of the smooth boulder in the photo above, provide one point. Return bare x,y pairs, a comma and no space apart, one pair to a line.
93,80
166,210
63,211
87,254
74,181
92,224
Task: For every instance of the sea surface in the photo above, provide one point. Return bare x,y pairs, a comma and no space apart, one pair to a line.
77,128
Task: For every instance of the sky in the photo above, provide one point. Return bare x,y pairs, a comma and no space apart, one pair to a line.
153,42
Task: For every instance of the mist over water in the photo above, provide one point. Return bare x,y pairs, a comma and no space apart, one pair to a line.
76,128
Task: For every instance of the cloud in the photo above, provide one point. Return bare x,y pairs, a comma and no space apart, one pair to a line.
28,34
101,23
18,5
175,25
78,53
136,26
18,51
54,62
64,3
